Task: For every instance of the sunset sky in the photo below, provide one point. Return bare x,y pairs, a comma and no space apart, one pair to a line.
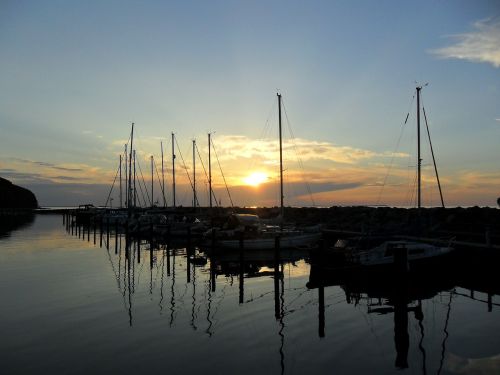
74,75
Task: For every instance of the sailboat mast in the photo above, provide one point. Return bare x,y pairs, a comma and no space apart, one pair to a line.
162,176
126,176
194,174
419,160
173,166
433,158
129,194
209,172
152,179
281,160
121,201
135,189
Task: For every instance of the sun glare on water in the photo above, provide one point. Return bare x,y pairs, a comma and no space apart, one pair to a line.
255,179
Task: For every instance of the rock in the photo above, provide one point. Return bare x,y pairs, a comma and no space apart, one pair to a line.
13,196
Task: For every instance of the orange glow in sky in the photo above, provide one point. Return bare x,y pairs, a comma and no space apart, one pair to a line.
255,179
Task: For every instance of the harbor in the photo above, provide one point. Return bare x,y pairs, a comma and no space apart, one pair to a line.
166,303
249,187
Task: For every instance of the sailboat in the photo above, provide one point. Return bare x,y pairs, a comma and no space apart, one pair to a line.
382,252
247,231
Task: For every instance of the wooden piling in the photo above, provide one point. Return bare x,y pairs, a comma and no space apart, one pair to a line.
276,278
321,309
169,232
100,231
401,259
116,237
139,249
126,240
213,241
188,266
168,260
277,245
242,271
107,233
151,257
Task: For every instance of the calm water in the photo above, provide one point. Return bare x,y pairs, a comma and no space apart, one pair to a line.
69,306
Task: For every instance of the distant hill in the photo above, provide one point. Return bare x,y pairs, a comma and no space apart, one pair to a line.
13,196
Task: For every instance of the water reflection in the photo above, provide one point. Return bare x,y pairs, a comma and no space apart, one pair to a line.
11,221
195,286
402,294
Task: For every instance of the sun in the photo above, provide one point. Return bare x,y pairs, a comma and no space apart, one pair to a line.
255,178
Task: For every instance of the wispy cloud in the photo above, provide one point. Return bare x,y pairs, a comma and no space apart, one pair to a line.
29,171
48,165
234,147
480,45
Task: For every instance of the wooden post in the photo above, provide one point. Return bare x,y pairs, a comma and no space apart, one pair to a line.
107,233
213,241
116,237
168,261
212,273
242,270
139,249
95,228
168,236
126,240
151,244
321,308
277,245
276,278
100,231
188,266
401,259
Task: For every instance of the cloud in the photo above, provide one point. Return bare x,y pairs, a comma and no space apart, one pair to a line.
481,45
233,147
48,165
28,171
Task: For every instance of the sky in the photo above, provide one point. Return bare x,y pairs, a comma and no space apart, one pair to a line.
75,75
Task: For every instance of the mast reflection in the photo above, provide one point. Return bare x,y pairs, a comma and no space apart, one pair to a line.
401,293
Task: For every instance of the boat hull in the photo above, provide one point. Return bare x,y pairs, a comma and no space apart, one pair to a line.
293,241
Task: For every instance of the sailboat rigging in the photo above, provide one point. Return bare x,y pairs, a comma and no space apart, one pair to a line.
382,251
247,231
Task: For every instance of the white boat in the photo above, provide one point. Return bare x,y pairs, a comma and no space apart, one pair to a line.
412,252
253,235
247,231
384,254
